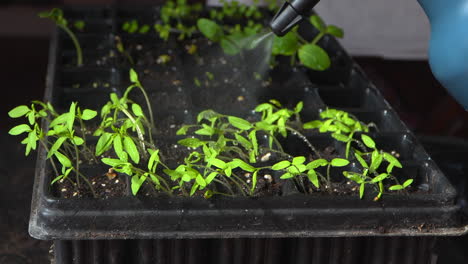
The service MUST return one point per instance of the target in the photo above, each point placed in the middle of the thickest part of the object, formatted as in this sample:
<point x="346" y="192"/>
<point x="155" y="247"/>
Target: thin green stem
<point x="304" y="138"/>
<point x="77" y="158"/>
<point x="79" y="54"/>
<point x="150" y="111"/>
<point x="318" y="37"/>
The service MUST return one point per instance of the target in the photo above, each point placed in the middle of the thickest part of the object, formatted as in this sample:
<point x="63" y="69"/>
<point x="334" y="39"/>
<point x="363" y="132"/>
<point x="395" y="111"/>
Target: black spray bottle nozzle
<point x="290" y="15"/>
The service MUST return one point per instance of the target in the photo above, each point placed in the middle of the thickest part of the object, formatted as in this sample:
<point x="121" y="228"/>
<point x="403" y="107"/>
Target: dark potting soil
<point x="106" y="184"/>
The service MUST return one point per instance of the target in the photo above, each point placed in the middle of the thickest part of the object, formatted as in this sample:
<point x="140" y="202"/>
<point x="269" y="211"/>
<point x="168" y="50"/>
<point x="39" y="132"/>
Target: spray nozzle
<point x="290" y="15"/>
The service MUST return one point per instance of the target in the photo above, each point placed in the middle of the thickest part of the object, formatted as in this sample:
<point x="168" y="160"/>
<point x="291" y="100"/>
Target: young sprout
<point x="56" y="15"/>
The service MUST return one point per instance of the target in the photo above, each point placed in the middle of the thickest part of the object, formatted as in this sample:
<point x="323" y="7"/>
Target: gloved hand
<point x="448" y="47"/>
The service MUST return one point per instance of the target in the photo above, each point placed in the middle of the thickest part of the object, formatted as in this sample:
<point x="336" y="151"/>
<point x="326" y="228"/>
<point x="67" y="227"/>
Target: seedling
<point x="174" y="15"/>
<point x="121" y="49"/>
<point x="133" y="27"/>
<point x="56" y="15"/>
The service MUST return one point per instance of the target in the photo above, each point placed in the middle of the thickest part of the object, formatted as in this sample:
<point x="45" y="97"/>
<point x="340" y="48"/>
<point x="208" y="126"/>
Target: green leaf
<point x="379" y="178"/>
<point x="312" y="175"/>
<point x="337" y="162"/>
<point x="368" y="141"/>
<point x="88" y="114"/>
<point x="137" y="182"/>
<point x="210" y="29"/>
<point x="136" y="109"/>
<point x="340" y="137"/>
<point x="229" y="46"/>
<point x="239" y="123"/>
<point x="298" y="107"/>
<point x="78" y="141"/>
<point x="104" y="143"/>
<point x="17" y="130"/>
<point x="318" y="23"/>
<point x="286" y="45"/>
<point x="298" y="160"/>
<point x="317" y="163"/>
<point x="407" y="183"/>
<point x="209" y="115"/>
<point x="56" y="146"/>
<point x="281" y="165"/>
<point x="361" y="190"/>
<point x="210" y="177"/>
<point x="79" y="24"/>
<point x="253" y="140"/>
<point x="118" y="148"/>
<point x="205" y="131"/>
<point x="376" y="160"/>
<point x="217" y="163"/>
<point x="112" y="162"/>
<point x="287" y="175"/>
<point x="199" y="179"/>
<point x="71" y="116"/>
<point x="254" y="181"/>
<point x="242" y="164"/>
<point x="63" y="159"/>
<point x="392" y="160"/>
<point x="134" y="76"/>
<point x="335" y="31"/>
<point x="361" y="160"/>
<point x="153" y="160"/>
<point x="183" y="130"/>
<point x="263" y="107"/>
<point x="314" y="57"/>
<point x="19" y="111"/>
<point x="396" y="187"/>
<point x="131" y="149"/>
<point x="243" y="141"/>
<point x="353" y="176"/>
<point x="313" y="124"/>
<point x="191" y="142"/>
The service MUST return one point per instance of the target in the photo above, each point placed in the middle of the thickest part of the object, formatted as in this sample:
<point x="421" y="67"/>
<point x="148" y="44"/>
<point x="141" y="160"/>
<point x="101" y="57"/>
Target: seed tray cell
<point x="289" y="213"/>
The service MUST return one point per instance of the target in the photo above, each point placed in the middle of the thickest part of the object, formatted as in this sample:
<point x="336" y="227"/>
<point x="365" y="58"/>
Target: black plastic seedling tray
<point x="431" y="210"/>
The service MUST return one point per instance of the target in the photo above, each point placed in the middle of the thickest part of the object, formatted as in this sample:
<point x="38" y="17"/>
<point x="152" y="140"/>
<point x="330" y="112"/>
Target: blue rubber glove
<point x="448" y="47"/>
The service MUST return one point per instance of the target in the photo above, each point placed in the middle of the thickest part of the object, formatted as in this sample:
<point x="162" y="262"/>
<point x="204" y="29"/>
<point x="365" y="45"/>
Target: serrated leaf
<point x="136" y="109"/>
<point x="88" y="114"/>
<point x="338" y="162"/>
<point x="131" y="149"/>
<point x="314" y="57"/>
<point x="298" y="160"/>
<point x="335" y="31"/>
<point x="209" y="115"/>
<point x="20" y="129"/>
<point x="63" y="159"/>
<point x="281" y="165"/>
<point x="318" y="23"/>
<point x="191" y="142"/>
<point x="239" y="123"/>
<point x="368" y="141"/>
<point x="18" y="111"/>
